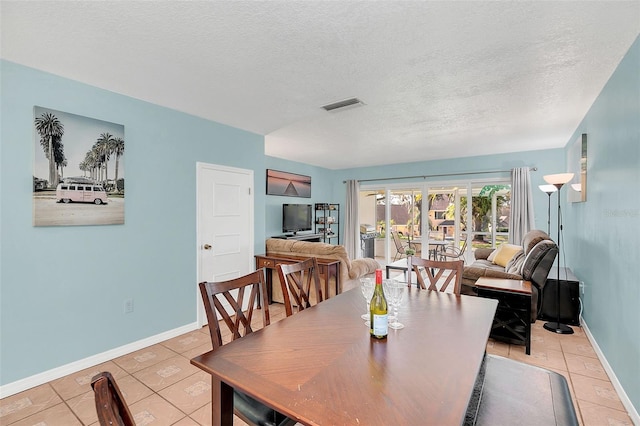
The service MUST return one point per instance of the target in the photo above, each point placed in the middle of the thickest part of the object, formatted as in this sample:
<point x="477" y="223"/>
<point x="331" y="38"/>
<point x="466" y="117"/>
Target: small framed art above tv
<point x="288" y="184"/>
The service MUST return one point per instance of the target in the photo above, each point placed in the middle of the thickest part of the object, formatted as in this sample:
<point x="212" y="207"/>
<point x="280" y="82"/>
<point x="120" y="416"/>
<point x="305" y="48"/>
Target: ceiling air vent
<point x="343" y="105"/>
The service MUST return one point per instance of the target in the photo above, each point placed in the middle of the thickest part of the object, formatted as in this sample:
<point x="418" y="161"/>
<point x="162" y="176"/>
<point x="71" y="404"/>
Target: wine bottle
<point x="379" y="327"/>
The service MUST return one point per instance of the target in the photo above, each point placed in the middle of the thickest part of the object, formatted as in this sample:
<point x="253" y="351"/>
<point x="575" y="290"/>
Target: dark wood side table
<point x="512" y="322"/>
<point x="327" y="268"/>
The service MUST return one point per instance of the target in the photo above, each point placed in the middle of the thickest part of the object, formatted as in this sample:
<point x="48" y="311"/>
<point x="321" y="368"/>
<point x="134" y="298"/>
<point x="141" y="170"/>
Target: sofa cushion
<point x="505" y="253"/>
<point x="362" y="267"/>
<point x="483" y="252"/>
<point x="494" y="273"/>
<point x="535" y="256"/>
<point x="532" y="238"/>
<point x="484" y="268"/>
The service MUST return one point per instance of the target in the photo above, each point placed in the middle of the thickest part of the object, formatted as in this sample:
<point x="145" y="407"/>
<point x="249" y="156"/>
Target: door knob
<point x="207" y="247"/>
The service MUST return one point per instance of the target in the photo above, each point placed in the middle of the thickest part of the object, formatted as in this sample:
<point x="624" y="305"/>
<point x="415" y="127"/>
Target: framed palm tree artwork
<point x="78" y="170"/>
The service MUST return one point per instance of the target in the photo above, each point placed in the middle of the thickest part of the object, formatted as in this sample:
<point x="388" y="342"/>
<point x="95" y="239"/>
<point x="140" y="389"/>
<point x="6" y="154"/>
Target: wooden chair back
<point x="241" y="294"/>
<point x="434" y="271"/>
<point x="110" y="405"/>
<point x="298" y="281"/>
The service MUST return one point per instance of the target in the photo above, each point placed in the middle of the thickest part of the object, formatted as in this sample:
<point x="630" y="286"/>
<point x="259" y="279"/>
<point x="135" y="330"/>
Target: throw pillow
<point x="515" y="264"/>
<point x="492" y="256"/>
<point x="505" y="253"/>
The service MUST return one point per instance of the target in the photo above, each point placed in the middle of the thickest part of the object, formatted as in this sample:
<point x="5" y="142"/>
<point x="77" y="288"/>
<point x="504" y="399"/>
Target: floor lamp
<point x="558" y="181"/>
<point x="549" y="189"/>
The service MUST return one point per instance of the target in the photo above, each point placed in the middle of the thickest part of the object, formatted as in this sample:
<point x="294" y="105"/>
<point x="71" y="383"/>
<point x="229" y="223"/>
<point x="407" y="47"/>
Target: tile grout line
<point x="576" y="404"/>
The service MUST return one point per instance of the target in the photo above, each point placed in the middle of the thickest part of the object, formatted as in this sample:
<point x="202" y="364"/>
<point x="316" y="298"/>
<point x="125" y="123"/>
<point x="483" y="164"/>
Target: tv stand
<point x="314" y="238"/>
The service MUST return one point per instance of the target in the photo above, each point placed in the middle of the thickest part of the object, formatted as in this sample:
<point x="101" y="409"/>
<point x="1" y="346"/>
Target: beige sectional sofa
<point x="349" y="269"/>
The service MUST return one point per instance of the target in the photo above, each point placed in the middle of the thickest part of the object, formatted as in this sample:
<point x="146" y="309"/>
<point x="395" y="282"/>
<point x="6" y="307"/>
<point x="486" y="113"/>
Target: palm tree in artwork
<point x="84" y="167"/>
<point x="58" y="155"/>
<point x="51" y="131"/>
<point x="88" y="164"/>
<point x="90" y="161"/>
<point x="118" y="150"/>
<point x="104" y="144"/>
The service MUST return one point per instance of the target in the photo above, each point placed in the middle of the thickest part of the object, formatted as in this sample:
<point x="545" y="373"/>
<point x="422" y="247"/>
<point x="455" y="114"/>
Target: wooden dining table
<point x="321" y="367"/>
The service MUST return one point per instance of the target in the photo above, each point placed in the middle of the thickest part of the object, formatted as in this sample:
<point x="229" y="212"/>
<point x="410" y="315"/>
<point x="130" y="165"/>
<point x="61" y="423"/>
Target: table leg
<point x="221" y="403"/>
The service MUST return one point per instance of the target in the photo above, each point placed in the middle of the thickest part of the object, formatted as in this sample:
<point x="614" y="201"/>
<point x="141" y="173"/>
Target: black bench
<point x="510" y="392"/>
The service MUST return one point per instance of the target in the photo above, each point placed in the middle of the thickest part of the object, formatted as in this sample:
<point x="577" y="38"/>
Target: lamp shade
<point x="558" y="179"/>
<point x="547" y="188"/>
<point x="576" y="187"/>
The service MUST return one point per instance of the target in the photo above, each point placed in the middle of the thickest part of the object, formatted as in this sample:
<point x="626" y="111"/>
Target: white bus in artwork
<point x="80" y="193"/>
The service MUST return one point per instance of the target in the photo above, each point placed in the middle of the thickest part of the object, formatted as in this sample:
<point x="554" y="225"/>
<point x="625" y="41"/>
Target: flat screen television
<point x="296" y="217"/>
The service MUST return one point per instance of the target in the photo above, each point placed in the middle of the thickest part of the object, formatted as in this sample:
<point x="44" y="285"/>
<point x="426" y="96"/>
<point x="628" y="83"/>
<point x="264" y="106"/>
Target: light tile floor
<point x="161" y="387"/>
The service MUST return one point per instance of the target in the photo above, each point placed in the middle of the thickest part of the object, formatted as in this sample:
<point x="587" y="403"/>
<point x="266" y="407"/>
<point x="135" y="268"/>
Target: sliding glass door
<point x="476" y="212"/>
<point x="490" y="213"/>
<point x="395" y="210"/>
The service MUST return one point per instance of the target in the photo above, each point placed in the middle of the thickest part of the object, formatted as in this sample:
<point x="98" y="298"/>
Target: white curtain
<point x="522" y="215"/>
<point x="351" y="227"/>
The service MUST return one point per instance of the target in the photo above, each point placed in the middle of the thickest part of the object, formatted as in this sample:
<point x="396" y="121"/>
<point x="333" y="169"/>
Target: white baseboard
<point x="73" y="367"/>
<point x="624" y="398"/>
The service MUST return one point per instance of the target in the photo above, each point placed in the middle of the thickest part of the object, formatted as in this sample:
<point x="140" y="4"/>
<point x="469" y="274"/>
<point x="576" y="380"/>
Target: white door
<point x="224" y="225"/>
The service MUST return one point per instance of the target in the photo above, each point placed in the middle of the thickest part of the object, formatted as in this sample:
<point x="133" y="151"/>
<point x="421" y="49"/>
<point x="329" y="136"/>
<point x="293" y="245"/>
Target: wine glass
<point x="367" y="286"/>
<point x="394" y="292"/>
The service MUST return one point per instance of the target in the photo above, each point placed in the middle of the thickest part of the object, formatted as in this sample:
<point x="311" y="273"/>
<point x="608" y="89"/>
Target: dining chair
<point x="110" y="405"/>
<point x="400" y="246"/>
<point x="413" y="243"/>
<point x="454" y="253"/>
<point x="434" y="271"/>
<point x="240" y="295"/>
<point x="298" y="281"/>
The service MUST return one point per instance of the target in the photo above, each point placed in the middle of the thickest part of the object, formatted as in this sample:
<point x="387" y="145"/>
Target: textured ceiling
<point x="439" y="79"/>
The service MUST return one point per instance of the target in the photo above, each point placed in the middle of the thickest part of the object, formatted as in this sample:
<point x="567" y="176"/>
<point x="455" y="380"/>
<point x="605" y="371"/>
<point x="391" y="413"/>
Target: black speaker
<point x="569" y="298"/>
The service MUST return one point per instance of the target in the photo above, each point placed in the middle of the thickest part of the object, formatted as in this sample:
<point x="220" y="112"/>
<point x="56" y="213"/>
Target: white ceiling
<point x="439" y="79"/>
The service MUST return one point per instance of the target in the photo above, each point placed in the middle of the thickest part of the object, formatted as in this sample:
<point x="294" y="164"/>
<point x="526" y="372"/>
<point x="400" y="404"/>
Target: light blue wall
<point x="603" y="233"/>
<point x="63" y="288"/>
